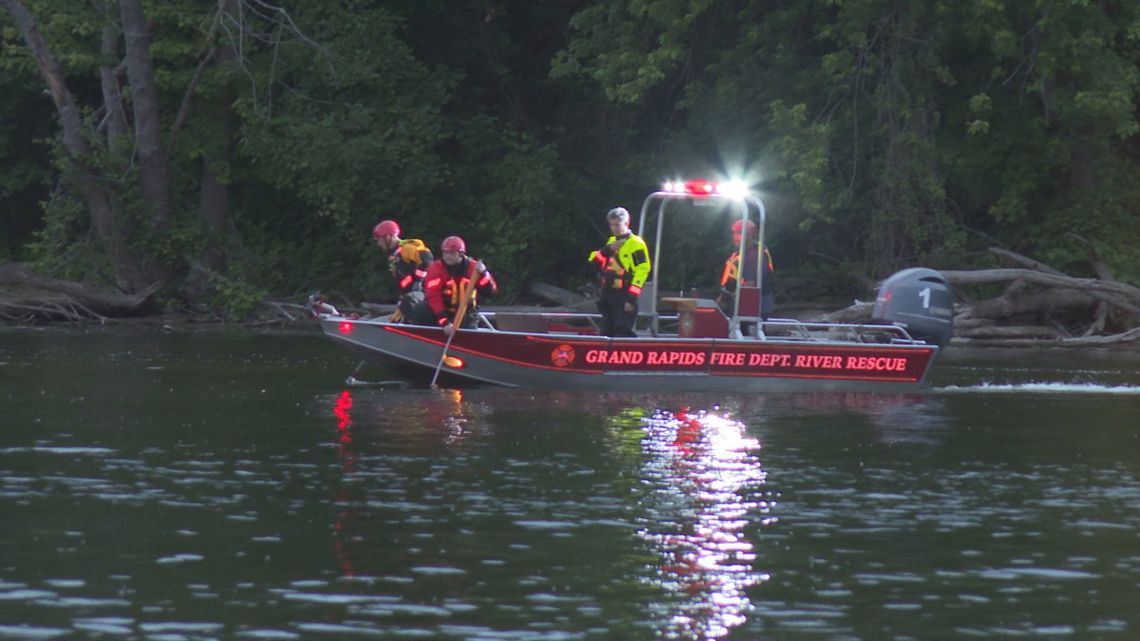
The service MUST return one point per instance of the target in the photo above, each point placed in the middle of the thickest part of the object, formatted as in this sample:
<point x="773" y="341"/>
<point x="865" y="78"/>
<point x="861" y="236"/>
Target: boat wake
<point x="1039" y="388"/>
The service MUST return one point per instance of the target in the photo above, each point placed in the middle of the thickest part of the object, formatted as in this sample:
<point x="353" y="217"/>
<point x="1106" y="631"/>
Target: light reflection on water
<point x="178" y="491"/>
<point x="699" y="477"/>
<point x="705" y="477"/>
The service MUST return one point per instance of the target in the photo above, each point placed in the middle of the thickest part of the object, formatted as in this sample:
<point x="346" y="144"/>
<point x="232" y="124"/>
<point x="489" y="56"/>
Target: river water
<point x="233" y="486"/>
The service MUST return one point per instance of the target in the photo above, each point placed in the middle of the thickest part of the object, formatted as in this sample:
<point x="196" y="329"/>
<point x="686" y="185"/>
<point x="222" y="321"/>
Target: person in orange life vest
<point x="747" y="231"/>
<point x="448" y="278"/>
<point x="623" y="268"/>
<point x="408" y="260"/>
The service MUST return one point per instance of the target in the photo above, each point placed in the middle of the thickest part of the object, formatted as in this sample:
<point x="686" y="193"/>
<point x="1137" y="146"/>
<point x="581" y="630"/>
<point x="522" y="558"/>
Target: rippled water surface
<point x="232" y="486"/>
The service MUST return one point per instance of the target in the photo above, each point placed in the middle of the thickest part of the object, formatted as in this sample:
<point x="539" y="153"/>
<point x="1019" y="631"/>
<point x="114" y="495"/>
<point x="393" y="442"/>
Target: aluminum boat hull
<point x="567" y="361"/>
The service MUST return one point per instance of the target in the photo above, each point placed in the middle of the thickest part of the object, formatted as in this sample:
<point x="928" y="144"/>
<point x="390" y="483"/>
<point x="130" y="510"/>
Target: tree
<point x="893" y="132"/>
<point x="80" y="160"/>
<point x="124" y="176"/>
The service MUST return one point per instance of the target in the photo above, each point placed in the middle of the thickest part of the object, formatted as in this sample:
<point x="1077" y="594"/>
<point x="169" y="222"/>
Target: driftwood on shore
<point x="1041" y="305"/>
<point x="1028" y="304"/>
<point x="1038" y="305"/>
<point x="26" y="296"/>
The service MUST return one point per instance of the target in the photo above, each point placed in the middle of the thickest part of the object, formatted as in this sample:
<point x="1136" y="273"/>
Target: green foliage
<point x="866" y="105"/>
<point x="880" y="134"/>
<point x="630" y="46"/>
<point x="799" y="150"/>
<point x="506" y="189"/>
<point x="348" y="115"/>
<point x="63" y="247"/>
<point x="236" y="299"/>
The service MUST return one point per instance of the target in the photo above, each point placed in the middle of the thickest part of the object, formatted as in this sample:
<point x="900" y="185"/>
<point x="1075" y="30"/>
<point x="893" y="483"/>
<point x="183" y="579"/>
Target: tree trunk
<point x="214" y="204"/>
<point x="154" y="174"/>
<point x="112" y="97"/>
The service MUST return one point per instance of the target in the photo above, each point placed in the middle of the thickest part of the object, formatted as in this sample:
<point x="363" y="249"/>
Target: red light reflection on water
<point x="342" y="410"/>
<point x="418" y="424"/>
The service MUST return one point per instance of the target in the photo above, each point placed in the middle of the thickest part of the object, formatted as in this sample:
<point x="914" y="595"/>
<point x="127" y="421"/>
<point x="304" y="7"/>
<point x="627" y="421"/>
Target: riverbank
<point x="287" y="318"/>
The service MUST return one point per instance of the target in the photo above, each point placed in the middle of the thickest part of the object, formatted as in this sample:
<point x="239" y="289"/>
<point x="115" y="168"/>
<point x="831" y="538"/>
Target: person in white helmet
<point x="623" y="268"/>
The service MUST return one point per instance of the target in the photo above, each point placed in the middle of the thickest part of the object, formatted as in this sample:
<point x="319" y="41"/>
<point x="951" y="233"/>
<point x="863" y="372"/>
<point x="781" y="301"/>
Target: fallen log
<point x="1039" y="291"/>
<point x="1009" y="331"/>
<point x="555" y="294"/>
<point x="1128" y="337"/>
<point x="563" y="297"/>
<point x="27" y="289"/>
<point x="54" y="307"/>
<point x="1107" y="301"/>
<point x="986" y="276"/>
<point x="858" y="312"/>
<point x="1047" y="303"/>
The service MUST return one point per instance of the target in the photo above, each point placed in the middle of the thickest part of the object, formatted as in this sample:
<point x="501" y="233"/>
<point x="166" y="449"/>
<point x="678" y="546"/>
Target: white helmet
<point x="618" y="213"/>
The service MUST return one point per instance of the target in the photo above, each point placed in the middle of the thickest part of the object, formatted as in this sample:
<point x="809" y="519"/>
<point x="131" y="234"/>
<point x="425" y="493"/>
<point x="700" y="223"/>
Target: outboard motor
<point x="920" y="301"/>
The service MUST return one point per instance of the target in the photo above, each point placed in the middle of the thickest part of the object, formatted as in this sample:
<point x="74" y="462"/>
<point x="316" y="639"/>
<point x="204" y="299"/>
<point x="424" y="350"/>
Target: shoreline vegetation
<point x="1027" y="305"/>
<point x="221" y="161"/>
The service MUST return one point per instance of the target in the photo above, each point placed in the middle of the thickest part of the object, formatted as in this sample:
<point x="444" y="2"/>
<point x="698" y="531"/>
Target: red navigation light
<point x="345" y="328"/>
<point x="700" y="187"/>
<point x="704" y="188"/>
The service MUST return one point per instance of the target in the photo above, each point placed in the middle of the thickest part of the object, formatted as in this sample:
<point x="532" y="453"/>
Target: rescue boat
<point x="684" y="343"/>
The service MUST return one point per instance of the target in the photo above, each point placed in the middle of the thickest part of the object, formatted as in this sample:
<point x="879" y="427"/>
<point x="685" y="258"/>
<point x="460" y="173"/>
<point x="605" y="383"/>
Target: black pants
<point x="615" y="320"/>
<point x="415" y="309"/>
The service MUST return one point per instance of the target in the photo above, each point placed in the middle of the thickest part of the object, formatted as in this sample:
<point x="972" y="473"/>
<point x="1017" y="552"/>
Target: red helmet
<point x="748" y="226"/>
<point x="454" y="244"/>
<point x="386" y="228"/>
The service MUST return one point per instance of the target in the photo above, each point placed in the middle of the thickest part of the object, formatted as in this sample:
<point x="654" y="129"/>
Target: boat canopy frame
<point x="741" y="203"/>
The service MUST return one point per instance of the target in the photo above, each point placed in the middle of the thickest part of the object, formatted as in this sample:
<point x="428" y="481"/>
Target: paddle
<point x="467" y="294"/>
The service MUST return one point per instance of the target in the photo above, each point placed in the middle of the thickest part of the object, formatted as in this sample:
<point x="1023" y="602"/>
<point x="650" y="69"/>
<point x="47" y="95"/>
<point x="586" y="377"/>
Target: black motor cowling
<point x="920" y="301"/>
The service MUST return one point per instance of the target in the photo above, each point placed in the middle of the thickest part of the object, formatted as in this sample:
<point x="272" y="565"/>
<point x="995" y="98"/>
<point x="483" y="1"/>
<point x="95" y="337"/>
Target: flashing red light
<point x="704" y="188"/>
<point x="700" y="187"/>
<point x="345" y="328"/>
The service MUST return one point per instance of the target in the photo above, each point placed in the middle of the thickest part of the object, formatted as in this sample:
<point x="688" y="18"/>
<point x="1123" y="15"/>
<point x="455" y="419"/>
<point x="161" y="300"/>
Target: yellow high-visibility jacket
<point x="627" y="269"/>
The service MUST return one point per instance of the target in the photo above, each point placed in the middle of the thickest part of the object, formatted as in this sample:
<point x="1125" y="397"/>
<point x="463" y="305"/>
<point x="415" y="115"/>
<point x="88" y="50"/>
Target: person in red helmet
<point x="745" y="232"/>
<point x="408" y="261"/>
<point x="447" y="280"/>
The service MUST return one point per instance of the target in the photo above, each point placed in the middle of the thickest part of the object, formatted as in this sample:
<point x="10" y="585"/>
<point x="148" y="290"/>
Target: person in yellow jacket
<point x="408" y="260"/>
<point x="623" y="268"/>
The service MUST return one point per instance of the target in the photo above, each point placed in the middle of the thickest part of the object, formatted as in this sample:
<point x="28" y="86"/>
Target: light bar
<point x="702" y="188"/>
